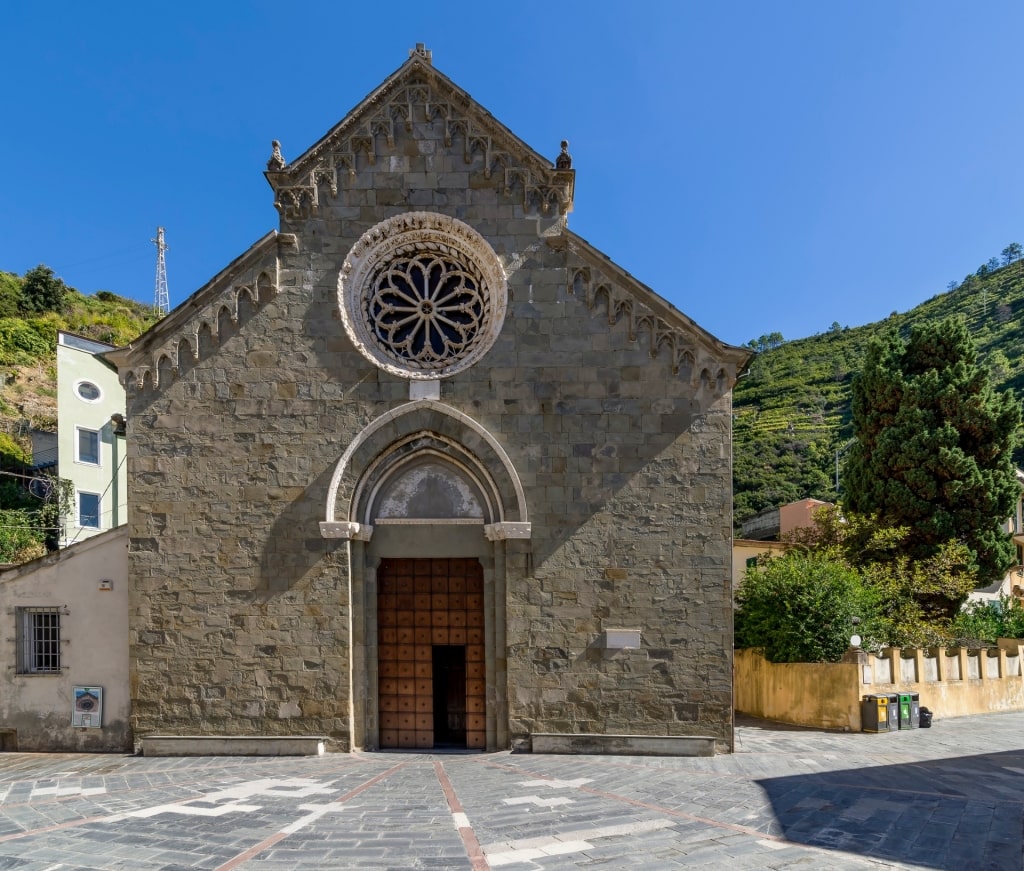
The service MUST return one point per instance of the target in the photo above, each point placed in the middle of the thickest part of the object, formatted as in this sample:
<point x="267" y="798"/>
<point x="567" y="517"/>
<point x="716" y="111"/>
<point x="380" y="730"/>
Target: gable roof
<point x="252" y="277"/>
<point x="300" y="186"/>
<point x="416" y="83"/>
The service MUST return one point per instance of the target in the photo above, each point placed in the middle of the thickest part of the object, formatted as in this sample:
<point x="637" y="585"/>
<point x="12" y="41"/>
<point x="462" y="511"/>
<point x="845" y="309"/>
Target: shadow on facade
<point x="293" y="551"/>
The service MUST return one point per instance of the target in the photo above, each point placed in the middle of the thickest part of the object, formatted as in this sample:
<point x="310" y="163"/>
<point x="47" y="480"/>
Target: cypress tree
<point x="934" y="444"/>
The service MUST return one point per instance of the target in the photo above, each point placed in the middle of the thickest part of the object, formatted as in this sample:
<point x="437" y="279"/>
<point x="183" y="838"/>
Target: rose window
<point x="426" y="310"/>
<point x="422" y="295"/>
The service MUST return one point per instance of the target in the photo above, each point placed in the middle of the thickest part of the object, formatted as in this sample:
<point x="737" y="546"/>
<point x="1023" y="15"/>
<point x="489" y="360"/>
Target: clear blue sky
<point x="765" y="166"/>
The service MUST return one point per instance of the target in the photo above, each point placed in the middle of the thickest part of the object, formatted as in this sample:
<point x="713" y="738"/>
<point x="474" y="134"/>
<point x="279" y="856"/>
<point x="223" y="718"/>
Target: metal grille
<point x="40" y="640"/>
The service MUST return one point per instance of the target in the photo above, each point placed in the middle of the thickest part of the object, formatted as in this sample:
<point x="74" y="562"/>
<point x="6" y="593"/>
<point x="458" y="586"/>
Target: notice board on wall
<point x="87" y="707"/>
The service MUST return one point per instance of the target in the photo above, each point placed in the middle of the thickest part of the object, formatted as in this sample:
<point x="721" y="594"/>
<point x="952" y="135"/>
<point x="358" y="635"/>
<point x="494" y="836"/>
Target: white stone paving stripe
<point x="67" y="790"/>
<point x="537" y="800"/>
<point x="555" y="783"/>
<point x="528" y="849"/>
<point x="187" y="810"/>
<point x="315" y="812"/>
<point x="234" y="798"/>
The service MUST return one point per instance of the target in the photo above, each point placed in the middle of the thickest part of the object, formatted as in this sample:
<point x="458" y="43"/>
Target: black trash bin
<point x="926" y="718"/>
<point x="915" y="710"/>
<point x="874" y="713"/>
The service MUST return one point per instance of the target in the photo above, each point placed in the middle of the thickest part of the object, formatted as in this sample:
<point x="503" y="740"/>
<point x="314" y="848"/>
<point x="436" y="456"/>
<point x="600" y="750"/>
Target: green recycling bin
<point x="874" y="713"/>
<point x="906" y="706"/>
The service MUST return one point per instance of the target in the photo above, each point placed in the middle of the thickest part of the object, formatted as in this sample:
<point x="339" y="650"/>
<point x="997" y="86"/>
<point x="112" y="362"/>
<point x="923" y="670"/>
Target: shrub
<point x="20" y="534"/>
<point x="987" y="621"/>
<point x="800" y="608"/>
<point x="10" y="295"/>
<point x="47" y="325"/>
<point x="12" y="454"/>
<point x="42" y="291"/>
<point x="20" y="344"/>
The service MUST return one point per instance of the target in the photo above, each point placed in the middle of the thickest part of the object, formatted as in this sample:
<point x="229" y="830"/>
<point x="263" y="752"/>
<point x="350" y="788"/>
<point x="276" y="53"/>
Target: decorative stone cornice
<point x="158" y="354"/>
<point x="708" y="364"/>
<point x="418" y="93"/>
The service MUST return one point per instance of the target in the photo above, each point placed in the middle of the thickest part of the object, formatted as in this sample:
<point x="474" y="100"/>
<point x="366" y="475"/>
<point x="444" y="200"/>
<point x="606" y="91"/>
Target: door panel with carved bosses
<point x="430" y="654"/>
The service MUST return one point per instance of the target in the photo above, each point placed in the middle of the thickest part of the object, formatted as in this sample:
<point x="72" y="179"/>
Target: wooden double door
<point x="430" y="653"/>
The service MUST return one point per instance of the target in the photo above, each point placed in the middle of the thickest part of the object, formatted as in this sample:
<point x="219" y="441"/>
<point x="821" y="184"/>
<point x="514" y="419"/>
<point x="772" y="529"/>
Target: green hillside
<point x="33" y="308"/>
<point x="792" y="410"/>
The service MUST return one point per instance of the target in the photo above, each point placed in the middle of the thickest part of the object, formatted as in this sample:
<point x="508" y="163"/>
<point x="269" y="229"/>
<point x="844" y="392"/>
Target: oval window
<point x="88" y="391"/>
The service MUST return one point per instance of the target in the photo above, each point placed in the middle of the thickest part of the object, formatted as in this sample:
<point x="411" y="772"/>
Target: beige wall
<point x="951" y="683"/>
<point x="94" y="647"/>
<point x="744" y="549"/>
<point x="822" y="694"/>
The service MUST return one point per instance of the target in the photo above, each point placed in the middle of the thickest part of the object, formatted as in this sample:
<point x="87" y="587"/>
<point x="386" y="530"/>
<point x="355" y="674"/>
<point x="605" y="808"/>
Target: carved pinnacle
<point x="276" y="162"/>
<point x="564" y="161"/>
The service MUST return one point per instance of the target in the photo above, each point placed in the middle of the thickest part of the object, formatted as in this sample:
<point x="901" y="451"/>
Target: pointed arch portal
<point x="425" y="498"/>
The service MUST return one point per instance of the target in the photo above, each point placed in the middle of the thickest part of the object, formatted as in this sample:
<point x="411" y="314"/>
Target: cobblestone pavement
<point x="950" y="797"/>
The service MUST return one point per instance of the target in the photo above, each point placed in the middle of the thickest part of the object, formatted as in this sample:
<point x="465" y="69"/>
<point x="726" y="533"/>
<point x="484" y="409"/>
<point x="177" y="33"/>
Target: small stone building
<point x="423" y="467"/>
<point x="65" y="643"/>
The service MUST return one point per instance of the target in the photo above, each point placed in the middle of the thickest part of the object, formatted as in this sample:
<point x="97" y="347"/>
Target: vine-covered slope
<point x="792" y="410"/>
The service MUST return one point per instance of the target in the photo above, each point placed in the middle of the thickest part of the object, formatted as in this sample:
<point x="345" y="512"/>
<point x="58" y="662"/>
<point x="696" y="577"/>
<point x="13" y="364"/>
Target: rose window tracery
<point x="422" y="295"/>
<point x="426" y="310"/>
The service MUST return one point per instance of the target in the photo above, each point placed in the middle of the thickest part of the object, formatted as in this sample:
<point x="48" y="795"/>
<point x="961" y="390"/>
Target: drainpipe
<point x="119" y="428"/>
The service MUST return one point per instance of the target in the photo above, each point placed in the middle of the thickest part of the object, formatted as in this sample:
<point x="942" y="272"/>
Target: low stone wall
<point x="950" y="682"/>
<point x="822" y="694"/>
<point x="623" y="745"/>
<point x="233" y="745"/>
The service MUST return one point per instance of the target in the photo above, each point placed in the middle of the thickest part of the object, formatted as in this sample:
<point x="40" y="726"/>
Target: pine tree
<point x="42" y="291"/>
<point x="934" y="444"/>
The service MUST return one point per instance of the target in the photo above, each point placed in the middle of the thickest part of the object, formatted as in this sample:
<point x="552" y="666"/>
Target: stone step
<point x="623" y="745"/>
<point x="233" y="745"/>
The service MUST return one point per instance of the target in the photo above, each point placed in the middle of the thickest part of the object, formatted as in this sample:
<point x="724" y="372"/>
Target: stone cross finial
<point x="423" y="52"/>
<point x="276" y="161"/>
<point x="564" y="161"/>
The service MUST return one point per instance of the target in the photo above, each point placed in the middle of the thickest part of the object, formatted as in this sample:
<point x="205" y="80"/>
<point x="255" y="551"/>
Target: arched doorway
<point x="426" y="520"/>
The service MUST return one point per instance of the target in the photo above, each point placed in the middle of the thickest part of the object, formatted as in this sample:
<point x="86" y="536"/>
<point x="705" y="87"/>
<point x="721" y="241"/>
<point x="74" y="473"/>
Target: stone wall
<point x="617" y="418"/>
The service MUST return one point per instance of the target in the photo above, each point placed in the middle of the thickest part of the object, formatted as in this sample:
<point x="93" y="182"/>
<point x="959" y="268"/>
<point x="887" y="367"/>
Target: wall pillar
<point x="500" y="685"/>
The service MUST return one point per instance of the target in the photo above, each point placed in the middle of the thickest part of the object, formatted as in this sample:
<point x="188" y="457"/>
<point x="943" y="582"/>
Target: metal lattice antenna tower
<point x="161" y="299"/>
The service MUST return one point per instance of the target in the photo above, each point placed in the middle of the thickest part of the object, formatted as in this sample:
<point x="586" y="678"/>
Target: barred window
<point x="38" y="640"/>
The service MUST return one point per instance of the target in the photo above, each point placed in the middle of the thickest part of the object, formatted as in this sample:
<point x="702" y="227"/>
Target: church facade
<point x="424" y="468"/>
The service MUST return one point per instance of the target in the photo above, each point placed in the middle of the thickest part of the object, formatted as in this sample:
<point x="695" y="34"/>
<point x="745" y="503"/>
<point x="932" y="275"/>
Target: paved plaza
<point x="950" y="797"/>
